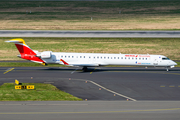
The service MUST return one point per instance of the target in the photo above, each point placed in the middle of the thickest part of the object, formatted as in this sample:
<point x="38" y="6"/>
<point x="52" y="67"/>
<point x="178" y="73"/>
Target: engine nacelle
<point x="45" y="54"/>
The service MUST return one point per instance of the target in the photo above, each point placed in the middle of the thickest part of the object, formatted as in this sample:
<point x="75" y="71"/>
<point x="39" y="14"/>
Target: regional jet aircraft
<point x="90" y="59"/>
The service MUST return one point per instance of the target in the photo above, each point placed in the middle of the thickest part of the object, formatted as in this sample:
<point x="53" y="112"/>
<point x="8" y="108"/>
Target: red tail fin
<point x="25" y="51"/>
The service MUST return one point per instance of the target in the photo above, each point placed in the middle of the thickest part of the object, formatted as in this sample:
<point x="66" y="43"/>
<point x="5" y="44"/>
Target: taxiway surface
<point x="111" y="93"/>
<point x="104" y="83"/>
<point x="90" y="110"/>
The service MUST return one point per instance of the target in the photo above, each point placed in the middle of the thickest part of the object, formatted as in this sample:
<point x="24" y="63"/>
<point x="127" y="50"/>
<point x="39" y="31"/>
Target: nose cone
<point x="174" y="63"/>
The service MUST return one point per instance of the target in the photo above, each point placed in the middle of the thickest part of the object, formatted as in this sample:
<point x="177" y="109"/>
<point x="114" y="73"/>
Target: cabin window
<point x="142" y="58"/>
<point x="129" y="57"/>
<point x="139" y="58"/>
<point x="118" y="57"/>
<point x="121" y="57"/>
<point x="108" y="57"/>
<point x="104" y="57"/>
<point x="76" y="56"/>
<point x="80" y="56"/>
<point x="61" y="56"/>
<point x="114" y="57"/>
<point x="89" y="57"/>
<point x="101" y="57"/>
<point x="136" y="58"/>
<point x="125" y="57"/>
<point x="111" y="57"/>
<point x="65" y="56"/>
<point x="132" y="58"/>
<point x="94" y="57"/>
<point x="68" y="56"/>
<point x="84" y="56"/>
<point x="97" y="57"/>
<point x="72" y="56"/>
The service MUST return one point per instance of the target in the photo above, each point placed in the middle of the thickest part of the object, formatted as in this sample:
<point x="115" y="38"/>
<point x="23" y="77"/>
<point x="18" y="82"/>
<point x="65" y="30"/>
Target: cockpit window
<point x="165" y="59"/>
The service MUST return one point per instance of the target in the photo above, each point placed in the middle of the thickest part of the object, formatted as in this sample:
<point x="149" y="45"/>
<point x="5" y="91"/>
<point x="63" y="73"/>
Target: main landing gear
<point x="84" y="68"/>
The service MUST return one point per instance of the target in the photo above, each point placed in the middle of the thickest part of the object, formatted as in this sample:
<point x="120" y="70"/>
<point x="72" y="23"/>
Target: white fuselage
<point x="99" y="59"/>
<point x="89" y="59"/>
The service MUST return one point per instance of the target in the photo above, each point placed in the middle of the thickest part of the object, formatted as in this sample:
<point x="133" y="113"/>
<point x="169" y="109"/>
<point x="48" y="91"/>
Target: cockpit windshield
<point x="165" y="59"/>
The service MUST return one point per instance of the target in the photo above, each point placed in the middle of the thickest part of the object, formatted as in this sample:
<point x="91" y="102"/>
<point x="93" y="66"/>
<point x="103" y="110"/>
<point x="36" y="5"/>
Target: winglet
<point x="64" y="62"/>
<point x="17" y="40"/>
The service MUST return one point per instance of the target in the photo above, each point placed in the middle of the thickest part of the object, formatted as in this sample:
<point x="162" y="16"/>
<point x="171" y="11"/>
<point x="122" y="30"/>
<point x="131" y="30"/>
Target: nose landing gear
<point x="167" y="69"/>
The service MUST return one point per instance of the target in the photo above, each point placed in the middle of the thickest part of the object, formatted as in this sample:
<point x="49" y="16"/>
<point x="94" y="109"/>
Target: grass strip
<point x="42" y="92"/>
<point x="76" y="15"/>
<point x="168" y="47"/>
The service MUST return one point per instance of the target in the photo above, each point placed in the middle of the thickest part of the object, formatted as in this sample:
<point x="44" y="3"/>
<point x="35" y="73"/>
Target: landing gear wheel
<point x="84" y="68"/>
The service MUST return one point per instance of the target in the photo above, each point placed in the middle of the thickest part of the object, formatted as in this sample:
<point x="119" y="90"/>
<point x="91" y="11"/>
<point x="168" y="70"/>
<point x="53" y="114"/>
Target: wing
<point x="79" y="64"/>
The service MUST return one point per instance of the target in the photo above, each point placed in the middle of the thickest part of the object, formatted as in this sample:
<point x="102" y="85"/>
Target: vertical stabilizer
<point x="25" y="51"/>
<point x="22" y="46"/>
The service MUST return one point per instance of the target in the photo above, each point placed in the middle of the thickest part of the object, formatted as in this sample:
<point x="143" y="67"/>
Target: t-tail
<point x="25" y="51"/>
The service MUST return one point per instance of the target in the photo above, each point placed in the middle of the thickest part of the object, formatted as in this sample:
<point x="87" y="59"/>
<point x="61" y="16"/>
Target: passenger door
<point x="155" y="62"/>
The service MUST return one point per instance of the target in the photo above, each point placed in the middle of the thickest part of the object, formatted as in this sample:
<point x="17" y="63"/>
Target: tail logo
<point x="25" y="51"/>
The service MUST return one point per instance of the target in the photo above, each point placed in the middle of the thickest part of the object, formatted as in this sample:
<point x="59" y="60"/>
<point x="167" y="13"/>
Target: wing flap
<point x="86" y="65"/>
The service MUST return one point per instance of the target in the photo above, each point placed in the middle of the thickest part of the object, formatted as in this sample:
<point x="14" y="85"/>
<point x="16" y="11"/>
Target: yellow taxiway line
<point x="9" y="70"/>
<point x="92" y="71"/>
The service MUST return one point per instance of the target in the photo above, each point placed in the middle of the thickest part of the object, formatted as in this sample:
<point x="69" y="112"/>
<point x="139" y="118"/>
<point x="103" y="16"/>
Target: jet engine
<point x="45" y="54"/>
